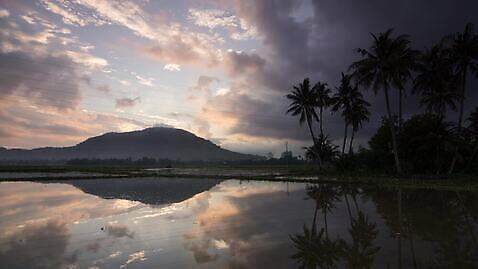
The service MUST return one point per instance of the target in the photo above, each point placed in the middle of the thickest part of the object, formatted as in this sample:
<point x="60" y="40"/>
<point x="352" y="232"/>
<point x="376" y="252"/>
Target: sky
<point x="74" y="69"/>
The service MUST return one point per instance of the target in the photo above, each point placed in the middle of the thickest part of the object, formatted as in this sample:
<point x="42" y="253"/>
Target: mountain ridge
<point x="154" y="142"/>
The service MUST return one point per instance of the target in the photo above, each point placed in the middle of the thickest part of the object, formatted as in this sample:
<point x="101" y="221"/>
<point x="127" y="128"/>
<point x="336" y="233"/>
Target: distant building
<point x="287" y="155"/>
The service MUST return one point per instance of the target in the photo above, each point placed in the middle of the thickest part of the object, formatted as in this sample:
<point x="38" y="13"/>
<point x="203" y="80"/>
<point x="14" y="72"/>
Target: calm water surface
<point x="195" y="223"/>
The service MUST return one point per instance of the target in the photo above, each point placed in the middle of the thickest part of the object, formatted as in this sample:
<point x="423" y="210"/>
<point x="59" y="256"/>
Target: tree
<point x="473" y="130"/>
<point x="385" y="64"/>
<point x="323" y="149"/>
<point x="435" y="81"/>
<point x="324" y="100"/>
<point x="358" y="113"/>
<point x="464" y="49"/>
<point x="303" y="103"/>
<point x="342" y="101"/>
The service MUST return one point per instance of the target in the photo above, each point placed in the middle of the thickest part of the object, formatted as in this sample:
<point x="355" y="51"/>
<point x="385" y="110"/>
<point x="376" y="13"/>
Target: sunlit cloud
<point x="172" y="67"/>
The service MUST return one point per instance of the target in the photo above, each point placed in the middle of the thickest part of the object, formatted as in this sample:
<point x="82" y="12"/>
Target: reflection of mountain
<point x="159" y="142"/>
<point x="151" y="191"/>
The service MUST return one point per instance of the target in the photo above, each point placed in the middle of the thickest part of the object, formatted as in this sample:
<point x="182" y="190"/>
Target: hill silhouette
<point x="156" y="142"/>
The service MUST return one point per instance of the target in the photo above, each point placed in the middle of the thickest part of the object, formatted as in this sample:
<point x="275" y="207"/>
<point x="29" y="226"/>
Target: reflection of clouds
<point x="137" y="256"/>
<point x="200" y="251"/>
<point x="38" y="247"/>
<point x="235" y="220"/>
<point x="119" y="231"/>
<point x="30" y="203"/>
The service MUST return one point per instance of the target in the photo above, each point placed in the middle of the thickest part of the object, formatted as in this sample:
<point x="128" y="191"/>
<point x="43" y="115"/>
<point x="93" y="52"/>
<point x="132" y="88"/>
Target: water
<point x="205" y="223"/>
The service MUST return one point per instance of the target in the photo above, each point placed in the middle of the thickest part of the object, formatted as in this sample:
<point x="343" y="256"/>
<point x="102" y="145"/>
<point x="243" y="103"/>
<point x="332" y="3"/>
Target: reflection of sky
<point x="233" y="225"/>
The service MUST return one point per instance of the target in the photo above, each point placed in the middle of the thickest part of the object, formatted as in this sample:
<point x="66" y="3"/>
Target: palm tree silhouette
<point x="464" y="51"/>
<point x="386" y="64"/>
<point x="357" y="114"/>
<point x="435" y="81"/>
<point x="342" y="101"/>
<point x="303" y="104"/>
<point x="473" y="130"/>
<point x="324" y="100"/>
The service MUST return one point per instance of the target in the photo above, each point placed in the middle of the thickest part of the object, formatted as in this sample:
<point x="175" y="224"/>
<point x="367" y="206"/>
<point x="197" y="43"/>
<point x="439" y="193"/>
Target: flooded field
<point x="207" y="223"/>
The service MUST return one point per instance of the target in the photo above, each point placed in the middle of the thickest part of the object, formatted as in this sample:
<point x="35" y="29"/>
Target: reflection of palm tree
<point x="325" y="197"/>
<point x="303" y="103"/>
<point x="360" y="253"/>
<point x="387" y="63"/>
<point x="465" y="54"/>
<point x="313" y="250"/>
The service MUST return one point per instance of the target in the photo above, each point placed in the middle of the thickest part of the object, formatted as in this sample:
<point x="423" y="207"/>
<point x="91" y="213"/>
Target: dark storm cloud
<point x="47" y="80"/>
<point x="322" y="46"/>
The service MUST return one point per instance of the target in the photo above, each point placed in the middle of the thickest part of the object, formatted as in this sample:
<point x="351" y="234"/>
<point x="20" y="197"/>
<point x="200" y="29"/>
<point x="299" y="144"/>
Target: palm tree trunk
<point x="348" y="207"/>
<point x="392" y="131"/>
<point x="412" y="246"/>
<point x="399" y="239"/>
<point x="325" y="223"/>
<point x="314" y="140"/>
<point x="320" y="116"/>
<point x="345" y="138"/>
<point x="475" y="150"/>
<point x="400" y="95"/>
<point x="314" y="221"/>
<point x="460" y="117"/>
<point x="351" y="141"/>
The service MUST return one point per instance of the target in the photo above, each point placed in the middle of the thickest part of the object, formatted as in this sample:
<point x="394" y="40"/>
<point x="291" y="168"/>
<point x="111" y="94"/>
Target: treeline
<point x="425" y="143"/>
<point x="162" y="163"/>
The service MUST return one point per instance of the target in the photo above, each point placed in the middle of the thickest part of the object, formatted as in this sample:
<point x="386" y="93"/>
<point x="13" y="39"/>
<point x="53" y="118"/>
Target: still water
<point x="204" y="223"/>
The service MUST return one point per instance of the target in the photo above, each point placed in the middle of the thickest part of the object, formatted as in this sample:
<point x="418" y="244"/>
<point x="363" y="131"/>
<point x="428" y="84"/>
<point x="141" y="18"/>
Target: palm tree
<point x="342" y="101"/>
<point x="303" y="104"/>
<point x="465" y="54"/>
<point x="385" y="64"/>
<point x="435" y="81"/>
<point x="473" y="129"/>
<point x="323" y="101"/>
<point x="358" y="113"/>
<point x="323" y="148"/>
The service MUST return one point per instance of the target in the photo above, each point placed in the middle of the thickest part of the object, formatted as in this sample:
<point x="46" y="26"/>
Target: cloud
<point x="204" y="83"/>
<point x="4" y="13"/>
<point x="143" y="81"/>
<point x="52" y="81"/>
<point x="127" y="102"/>
<point x="172" y="67"/>
<point x="103" y="88"/>
<point x="212" y="18"/>
<point x="24" y="124"/>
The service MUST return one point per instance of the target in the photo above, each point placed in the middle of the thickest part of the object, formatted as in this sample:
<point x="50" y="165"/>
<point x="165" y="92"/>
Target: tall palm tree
<point x="358" y="113"/>
<point x="342" y="101"/>
<point x="465" y="54"/>
<point x="303" y="103"/>
<point x="385" y="64"/>
<point x="324" y="100"/>
<point x="435" y="81"/>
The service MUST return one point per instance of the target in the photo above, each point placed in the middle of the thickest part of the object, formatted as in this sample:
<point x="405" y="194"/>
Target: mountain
<point x="157" y="142"/>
